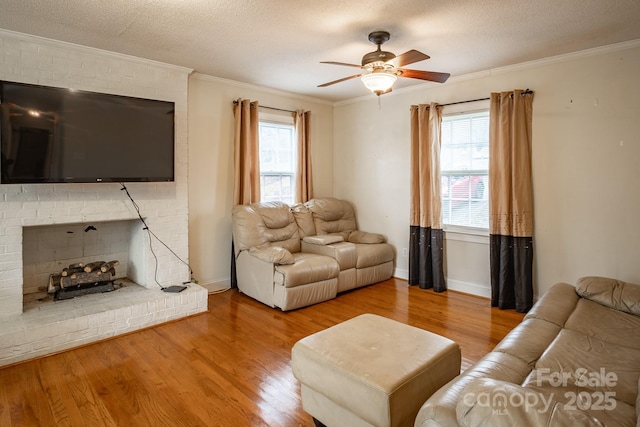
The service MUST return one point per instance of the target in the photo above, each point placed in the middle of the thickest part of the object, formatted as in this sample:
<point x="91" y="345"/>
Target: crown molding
<point x="506" y="69"/>
<point x="249" y="86"/>
<point x="92" y="50"/>
<point x="228" y="82"/>
<point x="567" y="57"/>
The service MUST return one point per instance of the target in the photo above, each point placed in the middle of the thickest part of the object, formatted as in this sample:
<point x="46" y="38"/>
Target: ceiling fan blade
<point x="341" y="63"/>
<point x="425" y="75"/>
<point x="339" y="80"/>
<point x="408" y="58"/>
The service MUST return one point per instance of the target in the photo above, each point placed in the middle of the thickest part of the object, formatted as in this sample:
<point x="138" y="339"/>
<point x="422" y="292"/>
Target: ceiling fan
<point x="381" y="68"/>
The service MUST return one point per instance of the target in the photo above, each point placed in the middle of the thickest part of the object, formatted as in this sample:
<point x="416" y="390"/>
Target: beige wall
<point x="586" y="168"/>
<point x="211" y="165"/>
<point x="586" y="164"/>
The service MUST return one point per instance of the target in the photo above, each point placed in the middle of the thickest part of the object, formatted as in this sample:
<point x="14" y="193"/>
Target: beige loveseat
<point x="364" y="258"/>
<point x="292" y="257"/>
<point x="574" y="360"/>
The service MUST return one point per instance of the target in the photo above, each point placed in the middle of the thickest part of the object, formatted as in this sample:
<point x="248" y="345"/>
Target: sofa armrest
<point x="490" y="402"/>
<point x="440" y="408"/>
<point x="273" y="254"/>
<point x="358" y="236"/>
<point x="556" y="305"/>
<point x="323" y="239"/>
<point x="343" y="252"/>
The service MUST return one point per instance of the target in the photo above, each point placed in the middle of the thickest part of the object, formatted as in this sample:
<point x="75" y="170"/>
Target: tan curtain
<point x="304" y="176"/>
<point x="426" y="239"/>
<point x="511" y="200"/>
<point x="246" y="162"/>
<point x="246" y="178"/>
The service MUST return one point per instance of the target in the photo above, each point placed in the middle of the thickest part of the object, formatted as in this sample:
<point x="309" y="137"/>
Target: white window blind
<point x="464" y="167"/>
<point x="277" y="162"/>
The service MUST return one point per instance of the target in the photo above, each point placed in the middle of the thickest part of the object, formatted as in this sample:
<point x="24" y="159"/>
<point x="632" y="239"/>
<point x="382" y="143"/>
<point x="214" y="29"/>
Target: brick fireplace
<point x="48" y="249"/>
<point x="35" y="216"/>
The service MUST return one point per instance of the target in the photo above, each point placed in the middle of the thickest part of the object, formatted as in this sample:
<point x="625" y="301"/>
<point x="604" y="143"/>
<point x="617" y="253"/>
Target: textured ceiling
<point x="279" y="43"/>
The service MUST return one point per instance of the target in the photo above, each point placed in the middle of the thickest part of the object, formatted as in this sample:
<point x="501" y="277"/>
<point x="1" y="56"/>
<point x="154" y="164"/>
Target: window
<point x="277" y="161"/>
<point x="464" y="170"/>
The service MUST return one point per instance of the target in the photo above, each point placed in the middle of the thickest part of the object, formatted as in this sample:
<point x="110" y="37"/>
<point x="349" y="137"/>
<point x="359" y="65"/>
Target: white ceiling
<point x="279" y="43"/>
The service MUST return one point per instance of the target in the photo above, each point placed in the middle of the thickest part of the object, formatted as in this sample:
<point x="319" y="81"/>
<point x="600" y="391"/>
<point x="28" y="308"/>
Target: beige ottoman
<point x="371" y="371"/>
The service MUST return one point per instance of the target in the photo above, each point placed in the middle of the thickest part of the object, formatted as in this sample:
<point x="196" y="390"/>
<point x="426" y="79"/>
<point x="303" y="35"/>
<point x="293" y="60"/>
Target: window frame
<point x="284" y="120"/>
<point x="464" y="232"/>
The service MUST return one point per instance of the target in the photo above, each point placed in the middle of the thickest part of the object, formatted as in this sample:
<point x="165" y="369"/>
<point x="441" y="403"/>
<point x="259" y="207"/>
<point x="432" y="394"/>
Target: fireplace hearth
<point x="71" y="296"/>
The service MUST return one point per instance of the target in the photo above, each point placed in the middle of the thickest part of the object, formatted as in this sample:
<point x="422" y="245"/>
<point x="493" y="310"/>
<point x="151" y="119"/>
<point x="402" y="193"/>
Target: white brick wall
<point x="35" y="60"/>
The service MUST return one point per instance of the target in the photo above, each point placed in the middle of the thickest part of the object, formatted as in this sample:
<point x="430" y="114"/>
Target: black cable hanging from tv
<point x="174" y="288"/>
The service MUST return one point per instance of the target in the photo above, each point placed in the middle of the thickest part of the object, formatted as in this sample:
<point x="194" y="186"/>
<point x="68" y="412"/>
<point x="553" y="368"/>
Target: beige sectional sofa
<point x="292" y="257"/>
<point x="574" y="360"/>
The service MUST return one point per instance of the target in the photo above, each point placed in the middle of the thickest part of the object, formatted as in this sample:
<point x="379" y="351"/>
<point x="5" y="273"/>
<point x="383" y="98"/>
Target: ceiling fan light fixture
<point x="378" y="82"/>
<point x="382" y="68"/>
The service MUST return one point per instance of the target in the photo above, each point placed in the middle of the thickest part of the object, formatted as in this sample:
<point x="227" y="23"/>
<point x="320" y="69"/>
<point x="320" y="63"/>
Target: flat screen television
<point x="57" y="135"/>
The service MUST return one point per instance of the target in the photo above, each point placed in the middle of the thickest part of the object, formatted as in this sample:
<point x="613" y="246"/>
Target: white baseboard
<point x="454" y="285"/>
<point x="401" y="273"/>
<point x="469" y="288"/>
<point x="217" y="286"/>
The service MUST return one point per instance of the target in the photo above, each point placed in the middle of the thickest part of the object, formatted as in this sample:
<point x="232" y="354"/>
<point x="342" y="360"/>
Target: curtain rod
<point x="235" y="102"/>
<point x="476" y="100"/>
<point x="464" y="102"/>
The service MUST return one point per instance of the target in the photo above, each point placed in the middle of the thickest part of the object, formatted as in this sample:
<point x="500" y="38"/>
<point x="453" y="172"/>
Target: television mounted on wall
<point x="58" y="135"/>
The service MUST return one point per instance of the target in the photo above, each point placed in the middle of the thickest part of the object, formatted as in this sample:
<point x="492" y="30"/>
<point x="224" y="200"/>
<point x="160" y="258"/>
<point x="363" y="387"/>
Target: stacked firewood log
<point x="79" y="274"/>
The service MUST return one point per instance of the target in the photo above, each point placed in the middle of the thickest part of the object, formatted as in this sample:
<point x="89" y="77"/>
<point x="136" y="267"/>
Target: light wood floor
<point x="228" y="367"/>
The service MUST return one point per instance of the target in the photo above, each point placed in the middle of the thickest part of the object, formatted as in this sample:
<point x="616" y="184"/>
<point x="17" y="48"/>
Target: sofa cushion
<point x="489" y="402"/>
<point x="286" y="237"/>
<point x="265" y="224"/>
<point x="332" y="216"/>
<point x="274" y="214"/>
<point x="328" y="208"/>
<point x="304" y="219"/>
<point x="574" y="358"/>
<point x="529" y="340"/>
<point x="612" y="326"/>
<point x="611" y="293"/>
<point x="308" y="268"/>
